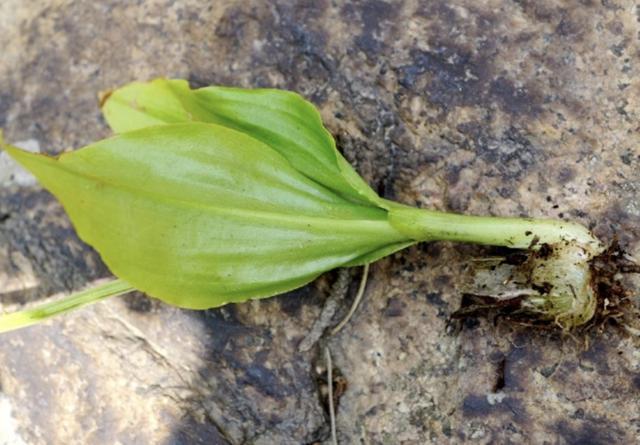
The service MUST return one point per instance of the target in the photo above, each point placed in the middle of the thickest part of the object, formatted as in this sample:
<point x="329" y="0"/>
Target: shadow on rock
<point x="254" y="386"/>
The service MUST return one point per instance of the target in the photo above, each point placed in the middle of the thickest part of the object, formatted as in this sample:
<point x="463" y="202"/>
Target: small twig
<point x="356" y="301"/>
<point x="332" y="411"/>
<point x="338" y="292"/>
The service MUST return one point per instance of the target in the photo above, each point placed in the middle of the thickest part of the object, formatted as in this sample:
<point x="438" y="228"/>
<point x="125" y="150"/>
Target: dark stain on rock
<point x="590" y="431"/>
<point x="435" y="299"/>
<point x="292" y="44"/>
<point x="456" y="77"/>
<point x="296" y="49"/>
<point x="597" y="355"/>
<point x="514" y="100"/>
<point x="372" y="14"/>
<point x="618" y="49"/>
<point x="139" y="302"/>
<point x="439" y="9"/>
<point x="518" y="363"/>
<point x="568" y="29"/>
<point x="292" y="302"/>
<point x="451" y="76"/>
<point x="225" y="324"/>
<point x="510" y="155"/>
<point x="617" y="222"/>
<point x="477" y="405"/>
<point x="470" y="323"/>
<point x="231" y="26"/>
<point x="263" y="380"/>
<point x="452" y="176"/>
<point x="537" y="10"/>
<point x="627" y="157"/>
<point x="195" y="432"/>
<point x="395" y="307"/>
<point x="566" y="174"/>
<point x="475" y="134"/>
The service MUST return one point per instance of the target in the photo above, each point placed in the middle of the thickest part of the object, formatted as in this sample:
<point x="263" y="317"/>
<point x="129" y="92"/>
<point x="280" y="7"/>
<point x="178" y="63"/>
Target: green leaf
<point x="280" y="119"/>
<point x="199" y="215"/>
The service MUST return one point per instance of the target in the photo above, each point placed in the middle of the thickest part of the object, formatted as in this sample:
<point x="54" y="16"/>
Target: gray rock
<point x="501" y="107"/>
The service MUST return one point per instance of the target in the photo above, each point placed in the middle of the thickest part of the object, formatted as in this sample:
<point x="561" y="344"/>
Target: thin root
<point x="356" y="301"/>
<point x="332" y="410"/>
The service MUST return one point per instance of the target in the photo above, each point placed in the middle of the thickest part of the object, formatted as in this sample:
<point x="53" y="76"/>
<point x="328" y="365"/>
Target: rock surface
<point x="480" y="106"/>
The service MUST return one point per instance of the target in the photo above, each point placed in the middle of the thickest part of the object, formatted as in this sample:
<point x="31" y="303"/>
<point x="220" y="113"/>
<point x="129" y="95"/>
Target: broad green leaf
<point x="280" y="119"/>
<point x="199" y="214"/>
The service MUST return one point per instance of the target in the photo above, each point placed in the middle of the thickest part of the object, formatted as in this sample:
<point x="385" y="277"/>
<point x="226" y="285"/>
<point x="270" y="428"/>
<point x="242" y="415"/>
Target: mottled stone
<point x="479" y="106"/>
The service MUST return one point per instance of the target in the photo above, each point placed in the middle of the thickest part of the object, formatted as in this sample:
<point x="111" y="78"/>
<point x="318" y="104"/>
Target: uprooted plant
<point x="217" y="195"/>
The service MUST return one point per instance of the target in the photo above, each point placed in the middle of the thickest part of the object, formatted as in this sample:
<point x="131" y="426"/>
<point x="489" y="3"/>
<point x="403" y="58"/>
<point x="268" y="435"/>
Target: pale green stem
<point x="516" y="233"/>
<point x="22" y="319"/>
